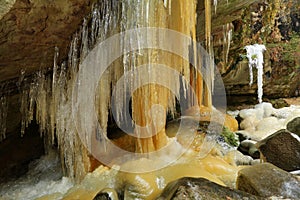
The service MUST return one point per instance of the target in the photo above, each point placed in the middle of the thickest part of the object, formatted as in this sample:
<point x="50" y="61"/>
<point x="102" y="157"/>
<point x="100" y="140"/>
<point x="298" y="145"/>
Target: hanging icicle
<point x="256" y="59"/>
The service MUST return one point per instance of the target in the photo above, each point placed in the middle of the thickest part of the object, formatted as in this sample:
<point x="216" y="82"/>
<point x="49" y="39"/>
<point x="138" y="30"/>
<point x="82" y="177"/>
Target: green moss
<point x="289" y="48"/>
<point x="230" y="137"/>
<point x="254" y="56"/>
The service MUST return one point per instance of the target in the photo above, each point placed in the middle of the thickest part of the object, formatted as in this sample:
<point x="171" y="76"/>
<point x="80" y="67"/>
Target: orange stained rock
<point x="203" y="113"/>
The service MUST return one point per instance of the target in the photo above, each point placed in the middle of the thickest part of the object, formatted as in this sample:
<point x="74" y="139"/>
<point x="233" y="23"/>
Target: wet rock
<point x="200" y="188"/>
<point x="294" y="126"/>
<point x="242" y="135"/>
<point x="248" y="147"/>
<point x="279" y="103"/>
<point x="281" y="149"/>
<point x="237" y="158"/>
<point x="107" y="194"/>
<point x="267" y="180"/>
<point x="231" y="123"/>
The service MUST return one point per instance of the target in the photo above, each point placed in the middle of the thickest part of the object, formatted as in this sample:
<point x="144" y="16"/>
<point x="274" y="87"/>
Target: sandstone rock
<point x="5" y="6"/>
<point x="281" y="149"/>
<point x="200" y="188"/>
<point x="294" y="126"/>
<point x="30" y="30"/>
<point x="231" y="123"/>
<point x="267" y="180"/>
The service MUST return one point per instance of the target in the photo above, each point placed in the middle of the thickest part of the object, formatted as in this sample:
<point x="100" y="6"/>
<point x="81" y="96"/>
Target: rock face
<point x="5" y="7"/>
<point x="294" y="126"/>
<point x="267" y="180"/>
<point x="281" y="149"/>
<point x="239" y="23"/>
<point x="30" y="30"/>
<point x="200" y="188"/>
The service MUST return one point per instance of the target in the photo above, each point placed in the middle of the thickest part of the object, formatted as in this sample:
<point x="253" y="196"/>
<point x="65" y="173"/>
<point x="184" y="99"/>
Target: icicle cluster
<point x="51" y="95"/>
<point x="256" y="59"/>
<point x="62" y="100"/>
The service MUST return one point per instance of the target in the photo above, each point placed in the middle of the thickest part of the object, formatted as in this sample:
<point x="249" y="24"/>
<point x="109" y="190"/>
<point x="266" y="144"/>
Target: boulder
<point x="200" y="188"/>
<point x="281" y="149"/>
<point x="267" y="180"/>
<point x="294" y="126"/>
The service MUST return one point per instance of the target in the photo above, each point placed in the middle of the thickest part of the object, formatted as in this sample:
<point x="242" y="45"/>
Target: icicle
<point x="53" y="98"/>
<point x="227" y="40"/>
<point x="210" y="61"/>
<point x="3" y="117"/>
<point x="170" y="7"/>
<point x="256" y="59"/>
<point x="84" y="40"/>
<point x="228" y="43"/>
<point x="24" y="110"/>
<point x="73" y="54"/>
<point x="165" y="3"/>
<point x="55" y="69"/>
<point x="216" y="4"/>
<point x="21" y="78"/>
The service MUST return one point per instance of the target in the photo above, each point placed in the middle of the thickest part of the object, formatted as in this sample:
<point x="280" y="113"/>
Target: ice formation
<point x="209" y="45"/>
<point x="264" y="120"/>
<point x="227" y="40"/>
<point x="256" y="59"/>
<point x="215" y="4"/>
<point x="62" y="100"/>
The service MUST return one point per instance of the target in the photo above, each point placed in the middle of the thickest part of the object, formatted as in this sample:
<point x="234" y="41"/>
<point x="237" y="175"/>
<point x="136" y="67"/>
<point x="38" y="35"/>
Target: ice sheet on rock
<point x="264" y="120"/>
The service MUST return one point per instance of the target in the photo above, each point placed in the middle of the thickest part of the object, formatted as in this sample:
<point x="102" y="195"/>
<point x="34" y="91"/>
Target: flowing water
<point x="44" y="177"/>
